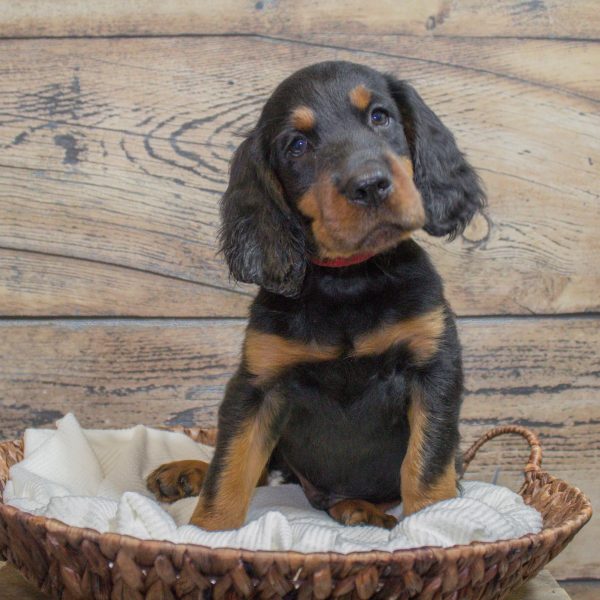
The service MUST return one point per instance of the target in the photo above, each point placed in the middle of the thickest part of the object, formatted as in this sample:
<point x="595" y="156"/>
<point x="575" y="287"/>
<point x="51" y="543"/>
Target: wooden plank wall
<point x="117" y="121"/>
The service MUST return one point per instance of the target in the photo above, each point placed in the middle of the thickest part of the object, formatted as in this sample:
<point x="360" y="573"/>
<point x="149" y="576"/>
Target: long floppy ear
<point x="451" y="189"/>
<point x="261" y="238"/>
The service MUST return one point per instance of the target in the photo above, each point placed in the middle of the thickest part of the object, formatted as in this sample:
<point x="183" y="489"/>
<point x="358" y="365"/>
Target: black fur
<point x="346" y="431"/>
<point x="342" y="429"/>
<point x="451" y="189"/>
<point x="261" y="239"/>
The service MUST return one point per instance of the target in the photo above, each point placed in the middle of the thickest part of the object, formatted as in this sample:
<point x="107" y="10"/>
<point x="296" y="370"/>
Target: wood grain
<point x="33" y="285"/>
<point x="541" y="587"/>
<point x="582" y="589"/>
<point x="540" y="372"/>
<point x="117" y="152"/>
<point x="544" y="374"/>
<point x="568" y="67"/>
<point x="114" y="153"/>
<point x="111" y="372"/>
<point x="478" y="18"/>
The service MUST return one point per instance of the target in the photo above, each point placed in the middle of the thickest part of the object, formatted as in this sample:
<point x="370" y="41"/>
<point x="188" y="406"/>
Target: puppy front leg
<point x="249" y="425"/>
<point x="428" y="472"/>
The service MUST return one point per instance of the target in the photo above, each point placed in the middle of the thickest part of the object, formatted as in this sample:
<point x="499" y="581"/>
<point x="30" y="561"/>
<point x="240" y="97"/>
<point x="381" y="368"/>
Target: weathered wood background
<point x="117" y="121"/>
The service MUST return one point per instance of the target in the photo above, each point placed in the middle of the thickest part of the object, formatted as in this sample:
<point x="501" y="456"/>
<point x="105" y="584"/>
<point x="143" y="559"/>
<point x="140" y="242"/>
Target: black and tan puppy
<point x="351" y="378"/>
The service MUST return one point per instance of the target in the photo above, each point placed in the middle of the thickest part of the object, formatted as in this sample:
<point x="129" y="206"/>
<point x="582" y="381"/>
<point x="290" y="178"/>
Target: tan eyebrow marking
<point x="360" y="97"/>
<point x="303" y="118"/>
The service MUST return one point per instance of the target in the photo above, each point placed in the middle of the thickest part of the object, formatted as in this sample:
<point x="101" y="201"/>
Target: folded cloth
<point x="96" y="479"/>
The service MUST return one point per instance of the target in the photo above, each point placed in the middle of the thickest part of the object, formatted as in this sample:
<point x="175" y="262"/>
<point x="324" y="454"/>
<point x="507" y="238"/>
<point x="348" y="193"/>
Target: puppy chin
<point x="381" y="239"/>
<point x="384" y="237"/>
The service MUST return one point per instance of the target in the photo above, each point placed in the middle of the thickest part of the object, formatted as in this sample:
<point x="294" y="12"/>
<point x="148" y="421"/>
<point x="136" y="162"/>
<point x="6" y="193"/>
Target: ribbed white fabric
<point x="95" y="478"/>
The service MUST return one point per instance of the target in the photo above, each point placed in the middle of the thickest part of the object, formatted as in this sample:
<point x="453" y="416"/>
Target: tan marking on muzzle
<point x="360" y="97"/>
<point x="333" y="219"/>
<point x="405" y="197"/>
<point x="340" y="227"/>
<point x="303" y="118"/>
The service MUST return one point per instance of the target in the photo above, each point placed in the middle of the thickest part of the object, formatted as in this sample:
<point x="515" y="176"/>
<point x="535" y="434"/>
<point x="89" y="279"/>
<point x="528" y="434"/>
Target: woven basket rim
<point x="547" y="534"/>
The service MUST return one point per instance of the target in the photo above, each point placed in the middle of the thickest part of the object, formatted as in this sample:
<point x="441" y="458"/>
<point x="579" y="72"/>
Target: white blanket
<point x="96" y="479"/>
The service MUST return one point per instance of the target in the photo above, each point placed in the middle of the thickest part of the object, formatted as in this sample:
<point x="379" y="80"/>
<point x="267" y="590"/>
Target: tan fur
<point x="245" y="461"/>
<point x="415" y="494"/>
<point x="177" y="479"/>
<point x="249" y="451"/>
<point x="360" y="97"/>
<point x="342" y="228"/>
<point x="405" y="198"/>
<point x="334" y="219"/>
<point x="303" y="119"/>
<point x="267" y="355"/>
<point x="420" y="333"/>
<point x="361" y="512"/>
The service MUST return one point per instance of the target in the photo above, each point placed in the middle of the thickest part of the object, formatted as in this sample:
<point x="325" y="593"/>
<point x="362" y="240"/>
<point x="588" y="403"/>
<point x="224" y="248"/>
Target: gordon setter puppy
<point x="351" y="378"/>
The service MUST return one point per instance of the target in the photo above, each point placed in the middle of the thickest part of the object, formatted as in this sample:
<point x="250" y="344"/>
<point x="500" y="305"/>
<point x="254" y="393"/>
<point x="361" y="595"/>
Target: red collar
<point x="341" y="261"/>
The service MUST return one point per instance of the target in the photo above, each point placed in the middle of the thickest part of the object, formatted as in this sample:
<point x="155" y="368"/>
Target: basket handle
<point x="535" y="456"/>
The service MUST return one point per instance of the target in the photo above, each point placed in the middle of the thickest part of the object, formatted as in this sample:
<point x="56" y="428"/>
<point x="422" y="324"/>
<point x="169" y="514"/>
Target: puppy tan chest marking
<point x="421" y="334"/>
<point x="267" y="355"/>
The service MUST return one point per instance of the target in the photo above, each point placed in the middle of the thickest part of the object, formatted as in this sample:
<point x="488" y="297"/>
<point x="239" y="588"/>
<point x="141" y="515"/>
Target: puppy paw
<point x="361" y="512"/>
<point x="175" y="480"/>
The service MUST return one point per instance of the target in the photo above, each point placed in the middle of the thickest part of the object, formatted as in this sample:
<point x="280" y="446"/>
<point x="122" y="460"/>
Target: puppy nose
<point x="369" y="189"/>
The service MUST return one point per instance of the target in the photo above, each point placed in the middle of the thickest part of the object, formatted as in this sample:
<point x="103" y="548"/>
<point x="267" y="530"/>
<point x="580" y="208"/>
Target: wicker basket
<point x="69" y="562"/>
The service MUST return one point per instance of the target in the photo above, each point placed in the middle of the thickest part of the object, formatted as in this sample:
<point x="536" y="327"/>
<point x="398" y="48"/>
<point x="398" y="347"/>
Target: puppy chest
<point x="416" y="339"/>
<point x="347" y="430"/>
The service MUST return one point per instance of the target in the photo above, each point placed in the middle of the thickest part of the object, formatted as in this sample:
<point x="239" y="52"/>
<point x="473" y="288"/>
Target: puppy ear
<point x="261" y="238"/>
<point x="451" y="189"/>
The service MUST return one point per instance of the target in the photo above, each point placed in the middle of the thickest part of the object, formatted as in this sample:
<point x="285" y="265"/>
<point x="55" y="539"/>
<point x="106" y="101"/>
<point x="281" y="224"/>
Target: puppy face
<point x="339" y="150"/>
<point x="343" y="160"/>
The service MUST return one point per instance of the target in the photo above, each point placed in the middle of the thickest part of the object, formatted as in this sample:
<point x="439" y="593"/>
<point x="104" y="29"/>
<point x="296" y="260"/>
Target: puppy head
<point x="343" y="161"/>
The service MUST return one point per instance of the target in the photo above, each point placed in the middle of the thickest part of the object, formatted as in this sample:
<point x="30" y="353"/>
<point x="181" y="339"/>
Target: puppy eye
<point x="379" y="117"/>
<point x="298" y="146"/>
